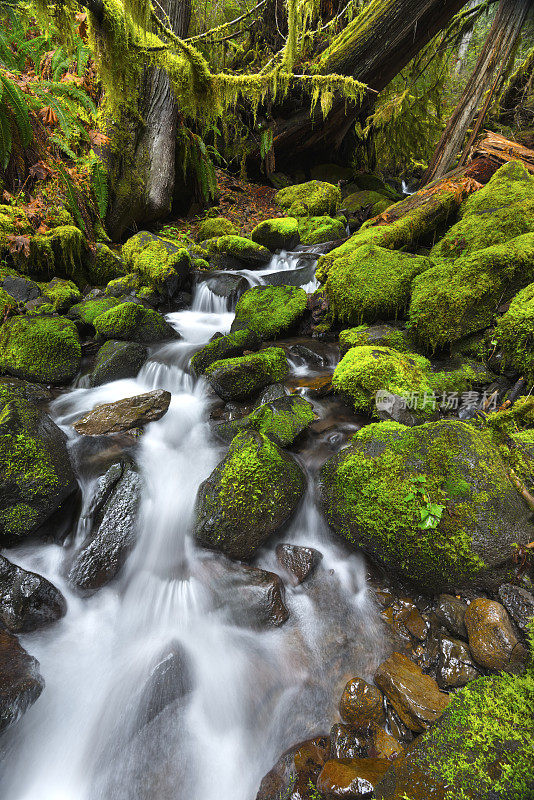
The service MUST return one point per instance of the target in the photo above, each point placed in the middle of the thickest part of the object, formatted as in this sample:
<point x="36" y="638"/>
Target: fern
<point x="14" y="99"/>
<point x="6" y="138"/>
<point x="99" y="185"/>
<point x="72" y="197"/>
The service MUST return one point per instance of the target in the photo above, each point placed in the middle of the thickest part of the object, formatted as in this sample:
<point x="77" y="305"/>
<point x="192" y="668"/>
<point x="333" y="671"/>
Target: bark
<point x="464" y="44"/>
<point x="493" y="59"/>
<point x="500" y="150"/>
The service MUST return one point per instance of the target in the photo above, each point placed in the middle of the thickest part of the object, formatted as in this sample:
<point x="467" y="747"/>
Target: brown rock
<point x="351" y="778"/>
<point x="346" y="743"/>
<point x="492" y="639"/>
<point x="298" y="562"/>
<point x="451" y="613"/>
<point x="384" y="745"/>
<point x="415" y="696"/>
<point x="296" y="772"/>
<point x="132" y="412"/>
<point x="361" y="704"/>
<point x="455" y="667"/>
<point x="20" y="681"/>
<point x="416" y="625"/>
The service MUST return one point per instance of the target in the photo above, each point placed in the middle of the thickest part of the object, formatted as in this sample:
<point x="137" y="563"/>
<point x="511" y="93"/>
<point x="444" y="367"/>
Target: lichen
<point x="270" y="311"/>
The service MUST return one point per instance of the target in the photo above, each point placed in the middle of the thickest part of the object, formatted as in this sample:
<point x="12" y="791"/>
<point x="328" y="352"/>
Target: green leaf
<point x="18" y="105"/>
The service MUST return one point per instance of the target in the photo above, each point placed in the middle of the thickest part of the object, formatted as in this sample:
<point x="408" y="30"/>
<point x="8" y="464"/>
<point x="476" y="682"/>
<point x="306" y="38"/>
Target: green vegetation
<point x="311" y="199"/>
<point x="234" y="344"/>
<point x="377" y="335"/>
<point x="213" y="227"/>
<point x="243" y="377"/>
<point x="281" y="420"/>
<point x="270" y="311"/>
<point x="88" y="310"/>
<point x="134" y="323"/>
<point x="277" y="234"/>
<point x="515" y="333"/>
<point x="315" y="230"/>
<point x="62" y="294"/>
<point x="41" y="349"/>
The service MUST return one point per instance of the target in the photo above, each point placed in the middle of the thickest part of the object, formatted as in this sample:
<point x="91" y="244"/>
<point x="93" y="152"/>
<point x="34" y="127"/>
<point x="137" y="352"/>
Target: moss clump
<point x="234" y="344"/>
<point x="364" y="371"/>
<point x="12" y="221"/>
<point x="316" y="230"/>
<point x="133" y="322"/>
<point x="213" y="227"/>
<point x="281" y="420"/>
<point x="380" y="335"/>
<point x="311" y="199"/>
<point x="372" y="283"/>
<point x="160" y="264"/>
<point x="88" y="310"/>
<point x="8" y="304"/>
<point x="370" y="498"/>
<point x="455" y="299"/>
<point x="123" y="286"/>
<point x="363" y="199"/>
<point x="243" y="377"/>
<point x="461" y="379"/>
<point x="500" y="211"/>
<point x="62" y="294"/>
<point x="105" y="266"/>
<point x="270" y="311"/>
<point x="514" y="419"/>
<point x="515" y="333"/>
<point x="236" y="252"/>
<point x="277" y="234"/>
<point x="41" y="349"/>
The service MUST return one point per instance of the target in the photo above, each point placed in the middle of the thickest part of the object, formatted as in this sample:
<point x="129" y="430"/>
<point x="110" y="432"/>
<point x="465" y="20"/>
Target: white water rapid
<point x="247" y="694"/>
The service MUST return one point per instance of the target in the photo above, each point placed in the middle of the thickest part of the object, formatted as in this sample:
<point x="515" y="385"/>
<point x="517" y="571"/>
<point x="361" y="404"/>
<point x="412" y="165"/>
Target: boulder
<point x="104" y="266"/>
<point x="112" y="521"/>
<point x="27" y="600"/>
<point x="132" y="322"/>
<point x="270" y="311"/>
<point x="374" y="491"/>
<point x="40" y="349"/>
<point x="350" y="779"/>
<point x="363" y="199"/>
<point x="87" y="311"/>
<point x="281" y="420"/>
<point x="62" y="294"/>
<point x="296" y="772"/>
<point x="416" y="697"/>
<point x="313" y="198"/>
<point x="20" y="681"/>
<point x="225" y="284"/>
<point x="248" y="497"/>
<point x="11" y="388"/>
<point x="241" y="378"/>
<point x="450" y="612"/>
<point x="8" y="305"/>
<point x="118" y="360"/>
<point x="455" y="667"/>
<point x="317" y="230"/>
<point x="346" y="743"/>
<point x="236" y="252"/>
<point x="277" y="234"/>
<point x="170" y="680"/>
<point x="376" y="336"/>
<point x="514" y="334"/>
<point x="213" y="227"/>
<point x="492" y="639"/>
<point x="161" y="264"/>
<point x="297" y="561"/>
<point x="229" y="346"/>
<point x="362" y="705"/>
<point x="383" y="745"/>
<point x="122" y="415"/>
<point x="21" y="289"/>
<point x="520" y="605"/>
<point x="36" y="476"/>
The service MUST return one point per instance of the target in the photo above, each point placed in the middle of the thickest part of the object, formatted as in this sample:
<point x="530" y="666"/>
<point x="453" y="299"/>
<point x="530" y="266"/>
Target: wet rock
<point x="351" y="779"/>
<point x="270" y="311"/>
<point x="249" y="496"/>
<point x="384" y="745"/>
<point x="113" y="522"/>
<point x="225" y="284"/>
<point x="450" y="611"/>
<point x="519" y="603"/>
<point x="346" y="743"/>
<point x="236" y="252"/>
<point x="40" y="349"/>
<point x="397" y="727"/>
<point x="299" y="562"/>
<point x="282" y="420"/>
<point x="134" y="323"/>
<point x="15" y="387"/>
<point x="170" y="680"/>
<point x="300" y="276"/>
<point x="492" y="639"/>
<point x="310" y="356"/>
<point x="27" y="600"/>
<point x="393" y="407"/>
<point x="416" y="697"/>
<point x="20" y="681"/>
<point x="224" y="347"/>
<point x="118" y="360"/>
<point x="294" y="775"/>
<point x="243" y="377"/>
<point x="131" y="412"/>
<point x="36" y="476"/>
<point x="273" y="392"/>
<point x="361" y="704"/>
<point x="21" y="289"/>
<point x="455" y="666"/>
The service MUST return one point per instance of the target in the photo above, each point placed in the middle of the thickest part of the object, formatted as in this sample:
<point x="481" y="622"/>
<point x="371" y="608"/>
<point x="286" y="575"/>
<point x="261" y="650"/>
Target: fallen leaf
<point x="19" y="244"/>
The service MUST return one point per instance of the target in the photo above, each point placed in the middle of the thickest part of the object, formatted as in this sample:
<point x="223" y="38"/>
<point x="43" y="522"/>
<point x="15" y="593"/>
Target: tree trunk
<point x="495" y="54"/>
<point x="464" y="44"/>
<point x="143" y="171"/>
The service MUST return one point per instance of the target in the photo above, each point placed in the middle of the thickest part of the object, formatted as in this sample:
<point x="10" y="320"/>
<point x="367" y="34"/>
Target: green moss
<point x="62" y="294"/>
<point x="270" y="311"/>
<point x="21" y="455"/>
<point x="243" y="377"/>
<point x="13" y="221"/>
<point x="160" y="264"/>
<point x="105" y="266"/>
<point x="514" y="419"/>
<point x="42" y="349"/>
<point x="133" y="322"/>
<point x="316" y="230"/>
<point x="380" y="335"/>
<point x="213" y="227"/>
<point x="500" y="211"/>
<point x="462" y="379"/>
<point x="58" y="252"/>
<point x="515" y="333"/>
<point x="234" y="344"/>
<point x="123" y="286"/>
<point x="242" y="251"/>
<point x="364" y="371"/>
<point x="455" y="299"/>
<point x="313" y="198"/>
<point x="8" y="304"/>
<point x="277" y="234"/>
<point x="88" y="310"/>
<point x="372" y="283"/>
<point x="362" y="199"/>
<point x="281" y="420"/>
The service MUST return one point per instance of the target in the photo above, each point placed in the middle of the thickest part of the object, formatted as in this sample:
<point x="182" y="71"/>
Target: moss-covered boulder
<point x="515" y="333"/>
<point x="213" y="227"/>
<point x="458" y="298"/>
<point x="281" y="420"/>
<point x="480" y="748"/>
<point x="500" y="211"/>
<point x="316" y="230"/>
<point x="8" y="304"/>
<point x="117" y="360"/>
<point x="376" y="335"/>
<point x="277" y="234"/>
<point x="35" y="472"/>
<point x="363" y="199"/>
<point x="134" y="323"/>
<point x="88" y="310"/>
<point x="40" y="349"/>
<point x="366" y="370"/>
<point x="236" y="252"/>
<point x="241" y="378"/>
<point x="311" y="199"/>
<point x="251" y="495"/>
<point x="160" y="264"/>
<point x="230" y="346"/>
<point x="60" y="251"/>
<point x="433" y="503"/>
<point x="270" y="311"/>
<point x="127" y="284"/>
<point x="104" y="265"/>
<point x="62" y="294"/>
<point x="372" y="283"/>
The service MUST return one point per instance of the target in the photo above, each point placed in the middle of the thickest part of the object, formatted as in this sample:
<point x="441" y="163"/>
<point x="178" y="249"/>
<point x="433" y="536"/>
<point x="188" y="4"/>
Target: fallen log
<point x="500" y="150"/>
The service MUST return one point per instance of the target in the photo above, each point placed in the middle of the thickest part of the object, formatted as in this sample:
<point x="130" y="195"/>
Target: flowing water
<point x="234" y="697"/>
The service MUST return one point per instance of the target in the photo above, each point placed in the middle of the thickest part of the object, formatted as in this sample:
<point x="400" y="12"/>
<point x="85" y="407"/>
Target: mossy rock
<point x="251" y="494"/>
<point x="62" y="294"/>
<point x="281" y="420"/>
<point x="8" y="304"/>
<point x="245" y="376"/>
<point x="500" y="211"/>
<point x="270" y="311"/>
<point x="13" y="221"/>
<point x="376" y="335"/>
<point x="22" y="289"/>
<point x="213" y="227"/>
<point x="104" y="266"/>
<point x="236" y="252"/>
<point x="515" y="333"/>
<point x="480" y="748"/>
<point x="118" y="360"/>
<point x="372" y="283"/>
<point x="376" y="493"/>
<point x="317" y="230"/>
<point x="367" y="181"/>
<point x="41" y="349"/>
<point x="13" y="388"/>
<point x="60" y="251"/>
<point x="461" y="379"/>
<point x="277" y="234"/>
<point x="310" y="199"/>
<point x="229" y="346"/>
<point x="128" y="284"/>
<point x="132" y="322"/>
<point x="36" y="476"/>
<point x="88" y="310"/>
<point x="364" y="371"/>
<point x="458" y="298"/>
<point x="358" y="200"/>
<point x="160" y="264"/>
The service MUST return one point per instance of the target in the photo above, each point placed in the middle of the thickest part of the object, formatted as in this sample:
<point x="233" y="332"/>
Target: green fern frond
<point x="6" y="138"/>
<point x="72" y="196"/>
<point x="99" y="183"/>
<point x="18" y="105"/>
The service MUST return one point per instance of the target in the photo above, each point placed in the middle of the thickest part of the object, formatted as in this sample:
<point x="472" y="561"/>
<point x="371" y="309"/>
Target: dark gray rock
<point x="519" y="603"/>
<point x="450" y="611"/>
<point x="299" y="562"/>
<point x="456" y="667"/>
<point x="226" y="284"/>
<point x="169" y="681"/>
<point x="118" y="360"/>
<point x="21" y="289"/>
<point x="222" y="347"/>
<point x="20" y="681"/>
<point x="27" y="600"/>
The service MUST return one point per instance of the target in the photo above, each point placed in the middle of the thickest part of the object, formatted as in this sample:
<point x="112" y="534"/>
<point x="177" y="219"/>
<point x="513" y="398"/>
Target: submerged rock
<point x="241" y="378"/>
<point x="118" y="360"/>
<point x="122" y="415"/>
<point x="20" y="681"/>
<point x="169" y="681"/>
<point x="270" y="311"/>
<point x="492" y="639"/>
<point x="40" y="349"/>
<point x="27" y="600"/>
<point x="249" y="496"/>
<point x="299" y="562"/>
<point x="295" y="773"/>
